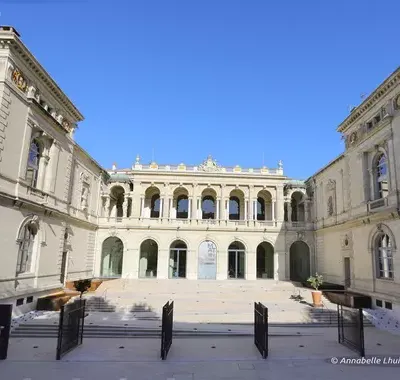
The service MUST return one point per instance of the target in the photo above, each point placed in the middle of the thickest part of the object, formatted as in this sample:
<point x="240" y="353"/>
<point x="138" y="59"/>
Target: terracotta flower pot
<point x="316" y="297"/>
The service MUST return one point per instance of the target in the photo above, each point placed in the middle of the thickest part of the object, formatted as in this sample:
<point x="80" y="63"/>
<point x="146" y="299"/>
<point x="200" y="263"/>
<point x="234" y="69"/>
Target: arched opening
<point x="234" y="208"/>
<point x="208" y="207"/>
<point x="180" y="204"/>
<point x="298" y="214"/>
<point x="177" y="260"/>
<point x="236" y="205"/>
<point x="265" y="260"/>
<point x="207" y="265"/>
<point x="28" y="246"/>
<point x="384" y="256"/>
<point x="264" y="205"/>
<point x="112" y="253"/>
<point x="152" y="203"/>
<point x="380" y="174"/>
<point x="148" y="259"/>
<point x="236" y="260"/>
<point x="155" y="206"/>
<point x="117" y="194"/>
<point x="299" y="261"/>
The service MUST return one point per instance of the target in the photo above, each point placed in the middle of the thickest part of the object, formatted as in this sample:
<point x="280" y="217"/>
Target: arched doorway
<point x="207" y="268"/>
<point x="148" y="259"/>
<point x="299" y="261"/>
<point x="112" y="253"/>
<point x="177" y="260"/>
<point x="236" y="260"/>
<point x="265" y="260"/>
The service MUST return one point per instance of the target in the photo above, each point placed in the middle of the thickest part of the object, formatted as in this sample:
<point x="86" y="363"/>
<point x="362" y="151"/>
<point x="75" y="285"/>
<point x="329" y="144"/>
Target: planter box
<point x="349" y="299"/>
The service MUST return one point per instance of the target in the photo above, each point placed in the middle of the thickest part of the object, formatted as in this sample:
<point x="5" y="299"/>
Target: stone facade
<point x="64" y="218"/>
<point x="47" y="230"/>
<point x="167" y="204"/>
<point x="356" y="200"/>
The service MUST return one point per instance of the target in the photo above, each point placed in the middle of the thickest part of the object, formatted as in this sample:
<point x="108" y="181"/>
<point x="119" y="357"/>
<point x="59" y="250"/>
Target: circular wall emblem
<point x="397" y="102"/>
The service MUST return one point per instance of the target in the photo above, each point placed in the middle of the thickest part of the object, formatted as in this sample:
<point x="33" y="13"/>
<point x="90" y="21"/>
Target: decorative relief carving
<point x="330" y="206"/>
<point x="209" y="165"/>
<point x="346" y="241"/>
<point x="353" y="138"/>
<point x="397" y="102"/>
<point x="300" y="235"/>
<point x="19" y="80"/>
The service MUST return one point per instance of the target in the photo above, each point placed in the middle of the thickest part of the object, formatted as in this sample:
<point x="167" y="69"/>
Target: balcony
<point x="177" y="222"/>
<point x="377" y="204"/>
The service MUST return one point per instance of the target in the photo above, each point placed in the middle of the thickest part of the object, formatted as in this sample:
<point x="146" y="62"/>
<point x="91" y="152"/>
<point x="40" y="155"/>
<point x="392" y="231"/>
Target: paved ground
<point x="200" y="358"/>
<point x="305" y="353"/>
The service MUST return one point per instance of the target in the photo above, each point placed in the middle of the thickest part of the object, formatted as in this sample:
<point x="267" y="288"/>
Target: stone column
<point x="107" y="206"/>
<point x="306" y="211"/>
<point x="217" y="206"/>
<point x="273" y="210"/>
<point x="289" y="210"/>
<point x="279" y="204"/>
<point x="142" y="206"/>
<point x="161" y="206"/>
<point x="125" y="206"/>
<point x="189" y="207"/>
<point x="246" y="202"/>
<point x="255" y="209"/>
<point x="43" y="162"/>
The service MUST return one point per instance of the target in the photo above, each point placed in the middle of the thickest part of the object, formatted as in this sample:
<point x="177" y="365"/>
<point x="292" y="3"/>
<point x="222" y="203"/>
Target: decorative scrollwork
<point x="19" y="80"/>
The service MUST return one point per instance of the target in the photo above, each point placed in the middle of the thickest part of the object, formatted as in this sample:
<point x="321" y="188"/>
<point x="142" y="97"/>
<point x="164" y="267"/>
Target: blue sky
<point x="236" y="79"/>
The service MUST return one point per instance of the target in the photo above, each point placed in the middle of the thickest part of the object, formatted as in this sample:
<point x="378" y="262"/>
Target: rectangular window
<point x="20" y="301"/>
<point x="388" y="305"/>
<point x="378" y="303"/>
<point x="29" y="299"/>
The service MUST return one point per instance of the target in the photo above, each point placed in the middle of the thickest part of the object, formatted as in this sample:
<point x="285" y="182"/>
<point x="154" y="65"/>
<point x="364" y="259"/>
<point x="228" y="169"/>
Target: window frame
<point x="384" y="260"/>
<point x="34" y="168"/>
<point x="26" y="249"/>
<point x="379" y="162"/>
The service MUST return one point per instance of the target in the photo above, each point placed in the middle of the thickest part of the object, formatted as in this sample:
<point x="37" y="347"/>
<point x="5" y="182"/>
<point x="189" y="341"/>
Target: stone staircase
<point x="133" y="309"/>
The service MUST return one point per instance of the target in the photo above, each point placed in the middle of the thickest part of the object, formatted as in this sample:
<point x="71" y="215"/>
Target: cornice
<point x="12" y="41"/>
<point x="369" y="102"/>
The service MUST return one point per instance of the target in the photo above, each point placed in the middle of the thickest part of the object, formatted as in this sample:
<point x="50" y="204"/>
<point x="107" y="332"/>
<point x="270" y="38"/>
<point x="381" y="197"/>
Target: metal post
<point x="60" y="335"/>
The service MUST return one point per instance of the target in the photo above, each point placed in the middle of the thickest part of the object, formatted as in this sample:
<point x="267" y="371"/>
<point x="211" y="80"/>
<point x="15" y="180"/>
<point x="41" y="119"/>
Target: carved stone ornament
<point x="113" y="231"/>
<point x="85" y="177"/>
<point x="331" y="185"/>
<point x="66" y="125"/>
<point x="397" y="102"/>
<point x="379" y="227"/>
<point x="19" y="80"/>
<point x="330" y="206"/>
<point x="300" y="235"/>
<point x="353" y="138"/>
<point x="209" y="165"/>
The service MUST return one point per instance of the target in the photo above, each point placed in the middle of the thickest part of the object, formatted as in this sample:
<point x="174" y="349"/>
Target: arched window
<point x="208" y="207"/>
<point x="182" y="205"/>
<point x="260" y="208"/>
<point x="33" y="163"/>
<point x="381" y="183"/>
<point x="234" y="208"/>
<point x="26" y="245"/>
<point x="155" y="206"/>
<point x="384" y="257"/>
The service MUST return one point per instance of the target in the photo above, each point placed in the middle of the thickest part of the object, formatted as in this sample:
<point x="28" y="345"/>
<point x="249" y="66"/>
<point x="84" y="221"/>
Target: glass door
<point x="236" y="260"/>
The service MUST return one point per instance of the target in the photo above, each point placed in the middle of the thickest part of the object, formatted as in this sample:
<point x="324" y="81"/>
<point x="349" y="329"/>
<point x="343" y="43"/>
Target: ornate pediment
<point x="209" y="165"/>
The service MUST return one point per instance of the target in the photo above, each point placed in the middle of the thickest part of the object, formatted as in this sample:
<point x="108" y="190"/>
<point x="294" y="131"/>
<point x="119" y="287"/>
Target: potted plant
<point x="316" y="281"/>
<point x="82" y="286"/>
